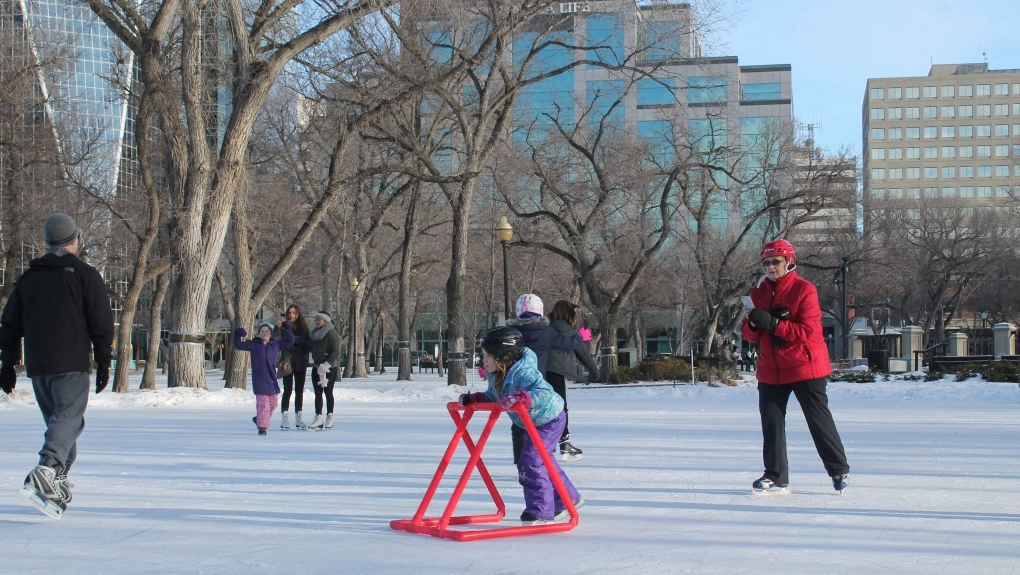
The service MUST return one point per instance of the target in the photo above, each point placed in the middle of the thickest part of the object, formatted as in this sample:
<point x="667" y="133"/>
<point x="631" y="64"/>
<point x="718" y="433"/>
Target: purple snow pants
<point x="540" y="497"/>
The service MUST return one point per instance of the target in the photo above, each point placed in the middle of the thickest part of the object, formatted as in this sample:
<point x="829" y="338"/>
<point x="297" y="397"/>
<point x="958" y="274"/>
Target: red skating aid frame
<point x="439" y="526"/>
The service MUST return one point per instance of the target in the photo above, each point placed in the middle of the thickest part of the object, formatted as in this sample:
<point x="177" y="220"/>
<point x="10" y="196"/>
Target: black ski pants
<point x="320" y="391"/>
<point x="559" y="385"/>
<point x="772" y="401"/>
<point x="293" y="383"/>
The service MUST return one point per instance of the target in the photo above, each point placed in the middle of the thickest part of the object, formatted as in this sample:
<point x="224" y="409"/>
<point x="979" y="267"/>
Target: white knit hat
<point x="324" y="317"/>
<point x="529" y="302"/>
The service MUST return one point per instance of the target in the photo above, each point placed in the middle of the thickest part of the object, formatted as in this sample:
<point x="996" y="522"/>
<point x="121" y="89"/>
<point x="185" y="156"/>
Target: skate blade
<point x="569" y="457"/>
<point x="773" y="491"/>
<point x="45" y="505"/>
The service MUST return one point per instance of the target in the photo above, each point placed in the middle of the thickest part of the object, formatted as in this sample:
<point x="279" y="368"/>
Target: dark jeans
<point x="559" y="385"/>
<point x="289" y="386"/>
<point x="330" y="381"/>
<point x="772" y="401"/>
<point x="62" y="399"/>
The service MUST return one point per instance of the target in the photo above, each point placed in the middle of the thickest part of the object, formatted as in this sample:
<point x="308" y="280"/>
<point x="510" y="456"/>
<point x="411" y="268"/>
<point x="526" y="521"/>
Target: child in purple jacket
<point x="264" y="352"/>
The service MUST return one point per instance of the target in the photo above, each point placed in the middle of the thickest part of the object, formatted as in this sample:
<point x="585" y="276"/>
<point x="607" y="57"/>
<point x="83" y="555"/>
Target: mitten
<point x="102" y="377"/>
<point x="240" y="332"/>
<point x="762" y="319"/>
<point x="8" y="378"/>
<point x="322" y="370"/>
<point x="516" y="397"/>
<point x="476" y="397"/>
<point x="585" y="334"/>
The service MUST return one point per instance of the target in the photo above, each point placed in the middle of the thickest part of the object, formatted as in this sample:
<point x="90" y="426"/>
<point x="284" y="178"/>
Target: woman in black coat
<point x="298" y="354"/>
<point x="563" y="365"/>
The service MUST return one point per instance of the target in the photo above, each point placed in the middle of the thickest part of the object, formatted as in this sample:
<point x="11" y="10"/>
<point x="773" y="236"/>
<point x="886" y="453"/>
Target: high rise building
<point x="951" y="138"/>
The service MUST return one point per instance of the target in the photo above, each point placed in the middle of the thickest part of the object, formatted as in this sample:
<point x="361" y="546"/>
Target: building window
<point x="949" y="192"/>
<point x="878" y="193"/>
<point x="1002" y="151"/>
<point x="897" y="153"/>
<point x="929" y="91"/>
<point x="1001" y="171"/>
<point x="1016" y="89"/>
<point x="984" y="90"/>
<point x="1016" y="150"/>
<point x="966" y="111"/>
<point x="895" y="133"/>
<point x="913" y="153"/>
<point x="878" y="153"/>
<point x="931" y="152"/>
<point x="878" y="113"/>
<point x="931" y="173"/>
<point x="984" y="131"/>
<point x="913" y="133"/>
<point x="1002" y="191"/>
<point x="948" y="131"/>
<point x="656" y="92"/>
<point x="895" y="113"/>
<point x="984" y="171"/>
<point x="913" y="113"/>
<point x="966" y="191"/>
<point x="966" y="91"/>
<point x="948" y="151"/>
<point x="984" y="151"/>
<point x="913" y="193"/>
<point x="878" y="133"/>
<point x="913" y="93"/>
<point x="607" y="32"/>
<point x="966" y="131"/>
<point x="949" y="172"/>
<point x="931" y="111"/>
<point x="1002" y="130"/>
<point x="984" y="191"/>
<point x="931" y="132"/>
<point x="897" y="93"/>
<point x="768" y="92"/>
<point x="877" y="173"/>
<point x="966" y="213"/>
<point x="1002" y="109"/>
<point x="878" y="93"/>
<point x="706" y="89"/>
<point x="897" y="173"/>
<point x="966" y="171"/>
<point x="1002" y="89"/>
<point x="661" y="40"/>
<point x="931" y="192"/>
<point x="1016" y="109"/>
<point x="895" y="193"/>
<point x="966" y="151"/>
<point x="948" y="91"/>
<point x="984" y="110"/>
<point x="1016" y="129"/>
<point x="948" y="111"/>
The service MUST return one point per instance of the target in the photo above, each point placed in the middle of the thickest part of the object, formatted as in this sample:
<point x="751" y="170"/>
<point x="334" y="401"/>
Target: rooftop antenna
<point x="984" y="54"/>
<point x="812" y="153"/>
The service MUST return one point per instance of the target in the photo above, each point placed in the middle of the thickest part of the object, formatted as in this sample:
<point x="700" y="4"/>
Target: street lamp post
<point x="505" y="233"/>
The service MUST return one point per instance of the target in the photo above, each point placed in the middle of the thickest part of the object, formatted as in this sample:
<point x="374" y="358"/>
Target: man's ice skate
<point x="841" y="482"/>
<point x="42" y="491"/>
<point x="285" y="424"/>
<point x="569" y="453"/>
<point x="298" y="422"/>
<point x="317" y="423"/>
<point x="764" y="485"/>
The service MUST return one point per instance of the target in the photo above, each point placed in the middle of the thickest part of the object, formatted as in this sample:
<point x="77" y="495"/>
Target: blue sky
<point x="834" y="47"/>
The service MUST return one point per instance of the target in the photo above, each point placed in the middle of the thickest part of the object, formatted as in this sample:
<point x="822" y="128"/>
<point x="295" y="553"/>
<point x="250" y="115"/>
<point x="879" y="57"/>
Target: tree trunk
<point x="404" y="289"/>
<point x="155" y="328"/>
<point x="455" y="287"/>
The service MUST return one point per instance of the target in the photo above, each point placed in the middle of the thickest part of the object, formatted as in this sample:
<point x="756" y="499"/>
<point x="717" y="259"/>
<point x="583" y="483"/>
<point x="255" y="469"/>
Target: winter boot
<point x="42" y="491"/>
<point x="841" y="482"/>
<point x="765" y="485"/>
<point x="569" y="453"/>
<point x="329" y="421"/>
<point x="285" y="424"/>
<point x="317" y="423"/>
<point x="298" y="422"/>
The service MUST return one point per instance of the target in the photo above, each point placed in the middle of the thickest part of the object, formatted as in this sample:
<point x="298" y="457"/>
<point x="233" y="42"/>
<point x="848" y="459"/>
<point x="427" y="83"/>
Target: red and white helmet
<point x="780" y="248"/>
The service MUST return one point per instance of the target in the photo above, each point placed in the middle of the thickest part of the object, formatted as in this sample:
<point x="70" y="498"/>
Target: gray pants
<point x="62" y="399"/>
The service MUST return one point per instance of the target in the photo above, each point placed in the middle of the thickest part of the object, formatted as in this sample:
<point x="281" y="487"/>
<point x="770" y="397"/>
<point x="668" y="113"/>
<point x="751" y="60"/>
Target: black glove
<point x="102" y="378"/>
<point x="762" y="319"/>
<point x="8" y="378"/>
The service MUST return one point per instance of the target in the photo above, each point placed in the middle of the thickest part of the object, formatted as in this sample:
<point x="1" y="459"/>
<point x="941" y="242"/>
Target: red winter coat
<point x="804" y="355"/>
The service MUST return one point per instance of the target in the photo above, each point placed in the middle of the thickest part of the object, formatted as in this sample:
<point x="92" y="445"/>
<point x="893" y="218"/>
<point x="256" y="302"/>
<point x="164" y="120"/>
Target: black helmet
<point x="506" y="344"/>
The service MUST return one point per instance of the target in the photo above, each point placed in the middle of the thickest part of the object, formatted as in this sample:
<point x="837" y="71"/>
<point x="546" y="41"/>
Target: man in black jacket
<point x="61" y="308"/>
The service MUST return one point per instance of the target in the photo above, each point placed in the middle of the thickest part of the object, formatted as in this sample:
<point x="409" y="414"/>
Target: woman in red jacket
<point x="786" y="323"/>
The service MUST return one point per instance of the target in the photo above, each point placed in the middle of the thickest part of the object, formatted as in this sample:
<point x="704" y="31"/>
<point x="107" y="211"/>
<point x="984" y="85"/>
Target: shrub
<point x="852" y="376"/>
<point x="670" y="370"/>
<point x="990" y="371"/>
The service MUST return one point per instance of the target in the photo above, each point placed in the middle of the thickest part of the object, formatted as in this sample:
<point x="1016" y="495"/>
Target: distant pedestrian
<point x="61" y="307"/>
<point x="326" y="361"/>
<point x="786" y="322"/>
<point x="264" y="350"/>
<point x="563" y="365"/>
<point x="298" y="356"/>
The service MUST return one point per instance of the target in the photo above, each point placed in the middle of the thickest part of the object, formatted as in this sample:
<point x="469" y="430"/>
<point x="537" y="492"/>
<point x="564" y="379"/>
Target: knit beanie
<point x="324" y="317"/>
<point x="60" y="230"/>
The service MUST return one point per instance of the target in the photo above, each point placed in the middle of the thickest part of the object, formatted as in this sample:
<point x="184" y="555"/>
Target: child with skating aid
<point x="264" y="352"/>
<point x="514" y="378"/>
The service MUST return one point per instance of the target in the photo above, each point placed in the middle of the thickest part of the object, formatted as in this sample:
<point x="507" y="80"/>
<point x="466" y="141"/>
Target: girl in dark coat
<point x="298" y="354"/>
<point x="264" y="351"/>
<point x="564" y="364"/>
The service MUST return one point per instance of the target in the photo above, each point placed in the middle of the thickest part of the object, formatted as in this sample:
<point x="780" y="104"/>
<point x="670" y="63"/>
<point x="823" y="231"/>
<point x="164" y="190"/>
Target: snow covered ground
<point x="177" y="481"/>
